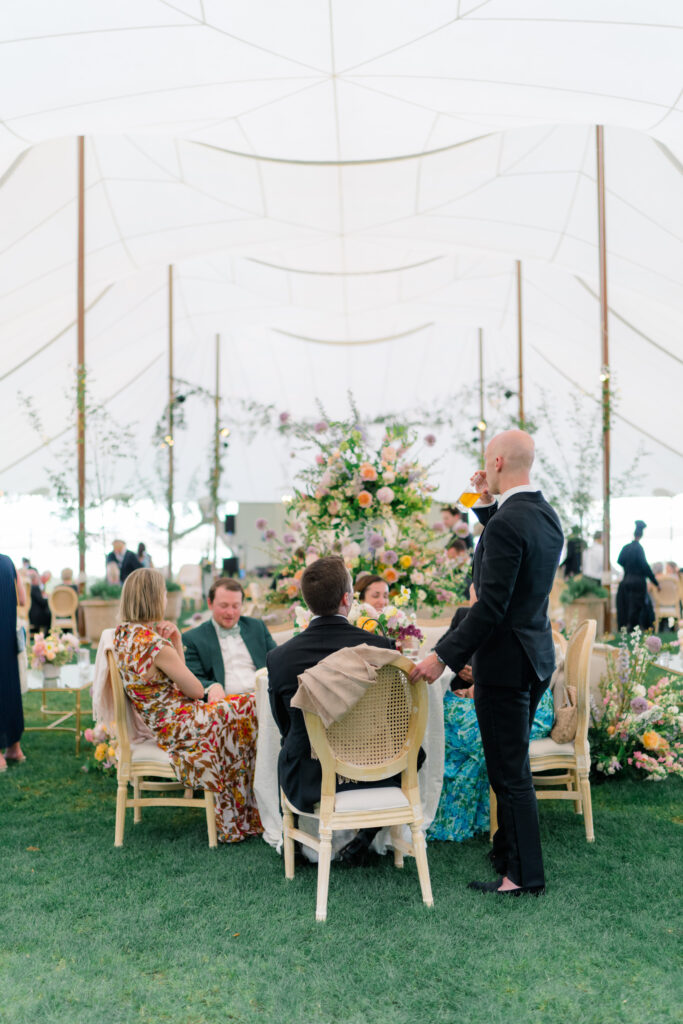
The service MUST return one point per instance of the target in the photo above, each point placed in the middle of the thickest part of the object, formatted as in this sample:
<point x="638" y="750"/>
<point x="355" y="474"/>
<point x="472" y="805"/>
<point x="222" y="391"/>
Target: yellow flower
<point x="389" y="611"/>
<point x="111" y="751"/>
<point x="100" y="751"/>
<point x="405" y="561"/>
<point x="653" y="741"/>
<point x="402" y="598"/>
<point x="611" y="730"/>
<point x="366" y="623"/>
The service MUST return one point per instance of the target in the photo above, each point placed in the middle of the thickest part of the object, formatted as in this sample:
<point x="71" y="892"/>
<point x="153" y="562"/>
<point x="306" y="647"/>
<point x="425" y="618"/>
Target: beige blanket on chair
<point x="337" y="683"/>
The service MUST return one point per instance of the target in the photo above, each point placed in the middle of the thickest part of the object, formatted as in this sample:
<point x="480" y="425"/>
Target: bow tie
<point x="223" y="632"/>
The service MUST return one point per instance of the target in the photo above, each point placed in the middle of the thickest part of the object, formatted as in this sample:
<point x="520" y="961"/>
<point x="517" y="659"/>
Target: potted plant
<point x="100" y="609"/>
<point x="584" y="599"/>
<point x="174" y="600"/>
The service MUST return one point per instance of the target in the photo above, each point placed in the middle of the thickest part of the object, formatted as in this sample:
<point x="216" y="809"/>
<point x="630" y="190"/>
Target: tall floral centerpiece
<point x="370" y="507"/>
<point x="638" y="726"/>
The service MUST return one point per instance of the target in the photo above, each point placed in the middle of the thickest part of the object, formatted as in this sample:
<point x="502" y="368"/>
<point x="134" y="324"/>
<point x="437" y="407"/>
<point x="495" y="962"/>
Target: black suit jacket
<point x="299" y="774"/>
<point x="514" y="568"/>
<point x="129" y="564"/>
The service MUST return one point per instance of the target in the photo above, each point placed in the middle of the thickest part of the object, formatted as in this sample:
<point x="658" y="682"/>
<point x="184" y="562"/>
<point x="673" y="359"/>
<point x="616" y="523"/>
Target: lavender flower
<point x="390" y="558"/>
<point x="430" y="440"/>
<point x="270" y="534"/>
<point x="639" y="704"/>
<point x="261" y="524"/>
<point x="375" y="541"/>
<point x="284" y="417"/>
<point x="289" y="538"/>
<point x="653" y="644"/>
<point x="321" y="427"/>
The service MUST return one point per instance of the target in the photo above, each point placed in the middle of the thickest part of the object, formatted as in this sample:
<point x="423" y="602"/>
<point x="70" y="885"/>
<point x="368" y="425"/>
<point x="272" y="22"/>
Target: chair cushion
<point x="380" y="798"/>
<point x="541" y="748"/>
<point x="149" y="751"/>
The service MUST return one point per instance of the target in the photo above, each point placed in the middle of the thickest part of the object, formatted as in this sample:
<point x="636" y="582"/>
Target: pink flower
<point x="438" y="527"/>
<point x="321" y="427"/>
<point x="653" y="644"/>
<point x="89" y="735"/>
<point x="385" y="495"/>
<point x="284" y="417"/>
<point x="261" y="524"/>
<point x="333" y="507"/>
<point x="389" y="454"/>
<point x="320" y="459"/>
<point x="270" y="534"/>
<point x="390" y="557"/>
<point x="430" y="440"/>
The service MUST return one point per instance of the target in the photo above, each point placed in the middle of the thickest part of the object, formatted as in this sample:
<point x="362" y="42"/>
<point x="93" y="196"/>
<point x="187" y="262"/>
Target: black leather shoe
<point x="300" y="858"/>
<point x="357" y="853"/>
<point x="498" y="866"/>
<point x="521" y="890"/>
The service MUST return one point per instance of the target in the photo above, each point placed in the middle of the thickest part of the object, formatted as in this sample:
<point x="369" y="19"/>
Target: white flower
<point x="421" y="595"/>
<point x="672" y="709"/>
<point x="639" y="691"/>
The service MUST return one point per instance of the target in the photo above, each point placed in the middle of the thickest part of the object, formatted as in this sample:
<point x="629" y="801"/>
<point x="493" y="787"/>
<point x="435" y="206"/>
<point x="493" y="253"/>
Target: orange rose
<point x="390" y="574"/>
<point x="611" y="730"/>
<point x="298" y="574"/>
<point x="365" y="499"/>
<point x="367" y="472"/>
<point x="366" y="623"/>
<point x="292" y="590"/>
<point x="653" y="741"/>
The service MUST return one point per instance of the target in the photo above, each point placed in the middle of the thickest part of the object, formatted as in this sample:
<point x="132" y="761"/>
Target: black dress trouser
<point x="505" y="715"/>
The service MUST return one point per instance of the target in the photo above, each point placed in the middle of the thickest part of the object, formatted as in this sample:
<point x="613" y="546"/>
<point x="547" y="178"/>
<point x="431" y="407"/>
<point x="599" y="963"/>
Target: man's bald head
<point x="509" y="458"/>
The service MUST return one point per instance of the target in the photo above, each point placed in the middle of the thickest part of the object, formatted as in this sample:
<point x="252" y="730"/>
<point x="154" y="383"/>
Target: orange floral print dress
<point x="211" y="746"/>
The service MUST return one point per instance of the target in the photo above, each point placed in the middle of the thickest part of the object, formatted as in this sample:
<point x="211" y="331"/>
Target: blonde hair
<point x="143" y="598"/>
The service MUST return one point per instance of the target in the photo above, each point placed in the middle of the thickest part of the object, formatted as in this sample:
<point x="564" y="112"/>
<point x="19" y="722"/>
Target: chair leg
<point x="211" y="818"/>
<point x="324" y="858"/>
<point x="287" y="841"/>
<point x="398" y="855"/>
<point x="137" y="811"/>
<point x="585" y="790"/>
<point x="121" y="794"/>
<point x="493" y="812"/>
<point x="420" y="851"/>
<point x="578" y="806"/>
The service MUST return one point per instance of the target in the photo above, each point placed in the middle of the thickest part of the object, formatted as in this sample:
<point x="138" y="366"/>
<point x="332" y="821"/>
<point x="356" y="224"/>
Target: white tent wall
<point x="343" y="190"/>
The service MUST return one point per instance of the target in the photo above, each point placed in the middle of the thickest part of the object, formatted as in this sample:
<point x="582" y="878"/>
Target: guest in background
<point x="211" y="745"/>
<point x="634" y="605"/>
<point x="457" y="551"/>
<point x="144" y="558"/>
<point x="593" y="559"/>
<point x="572" y="560"/>
<point x="457" y="524"/>
<point x="230" y="647"/>
<point x="67" y="578"/>
<point x="11" y="710"/>
<point x="372" y="591"/>
<point x="39" y="614"/>
<point x="122" y="560"/>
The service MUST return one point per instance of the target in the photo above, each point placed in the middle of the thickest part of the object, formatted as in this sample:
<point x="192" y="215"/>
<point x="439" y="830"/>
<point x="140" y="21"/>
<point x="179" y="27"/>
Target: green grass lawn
<point x="166" y="930"/>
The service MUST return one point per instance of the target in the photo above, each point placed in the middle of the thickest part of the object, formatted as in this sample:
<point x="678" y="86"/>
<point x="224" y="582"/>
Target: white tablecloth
<point x="430" y="776"/>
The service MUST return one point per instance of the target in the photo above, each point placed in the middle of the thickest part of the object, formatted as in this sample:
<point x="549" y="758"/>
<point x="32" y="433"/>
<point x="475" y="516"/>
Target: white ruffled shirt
<point x="240" y="671"/>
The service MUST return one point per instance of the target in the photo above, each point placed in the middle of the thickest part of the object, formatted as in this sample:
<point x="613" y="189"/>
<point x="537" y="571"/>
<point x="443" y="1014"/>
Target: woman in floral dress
<point x="463" y="809"/>
<point x="211" y="745"/>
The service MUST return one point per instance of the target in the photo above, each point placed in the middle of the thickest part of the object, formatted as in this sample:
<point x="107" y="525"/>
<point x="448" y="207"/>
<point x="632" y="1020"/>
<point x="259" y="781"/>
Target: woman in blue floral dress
<point x="463" y="809"/>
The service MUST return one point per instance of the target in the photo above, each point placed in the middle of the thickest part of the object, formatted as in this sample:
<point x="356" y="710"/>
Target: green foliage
<point x="105" y="591"/>
<point x="581" y="586"/>
<point x="172" y="586"/>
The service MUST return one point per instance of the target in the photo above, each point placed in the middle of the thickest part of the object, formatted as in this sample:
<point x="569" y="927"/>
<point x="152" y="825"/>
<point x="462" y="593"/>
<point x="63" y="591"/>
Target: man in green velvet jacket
<point x="229" y="648"/>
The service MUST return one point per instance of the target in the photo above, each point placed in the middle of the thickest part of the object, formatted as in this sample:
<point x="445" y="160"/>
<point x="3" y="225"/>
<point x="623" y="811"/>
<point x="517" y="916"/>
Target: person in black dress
<point x="634" y="607"/>
<point x="39" y="614"/>
<point x="11" y="710"/>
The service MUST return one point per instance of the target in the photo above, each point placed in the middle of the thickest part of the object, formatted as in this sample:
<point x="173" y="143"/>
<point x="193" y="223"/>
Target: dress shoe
<point x="300" y="858"/>
<point x="357" y="853"/>
<point x="521" y="890"/>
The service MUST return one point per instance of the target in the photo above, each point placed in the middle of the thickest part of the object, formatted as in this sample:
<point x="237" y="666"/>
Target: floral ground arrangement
<point x="368" y="505"/>
<point x="637" y="728"/>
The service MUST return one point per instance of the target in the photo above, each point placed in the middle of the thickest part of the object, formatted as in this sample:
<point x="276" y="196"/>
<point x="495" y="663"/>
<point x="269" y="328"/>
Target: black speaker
<point x="231" y="566"/>
<point x="230" y="524"/>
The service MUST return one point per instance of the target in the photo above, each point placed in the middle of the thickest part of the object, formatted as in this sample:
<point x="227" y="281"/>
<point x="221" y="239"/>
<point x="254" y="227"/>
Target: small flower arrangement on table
<point x="54" y="649"/>
<point x="638" y="727"/>
<point x="104" y="756"/>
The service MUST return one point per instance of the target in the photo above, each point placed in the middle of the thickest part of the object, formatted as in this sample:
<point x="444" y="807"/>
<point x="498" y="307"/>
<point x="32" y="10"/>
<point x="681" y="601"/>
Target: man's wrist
<point x="438" y="657"/>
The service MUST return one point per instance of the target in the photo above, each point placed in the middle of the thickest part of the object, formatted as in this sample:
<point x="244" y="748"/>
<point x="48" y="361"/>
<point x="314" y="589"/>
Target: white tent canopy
<point x="343" y="190"/>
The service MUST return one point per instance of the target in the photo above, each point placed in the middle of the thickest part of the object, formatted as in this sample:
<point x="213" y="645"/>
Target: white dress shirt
<point x="592" y="561"/>
<point x="240" y="671"/>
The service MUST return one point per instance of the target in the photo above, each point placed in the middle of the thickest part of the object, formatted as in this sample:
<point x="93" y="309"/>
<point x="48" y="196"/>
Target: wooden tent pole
<point x="80" y="363"/>
<point x="170" y="439"/>
<point x="605" y="371"/>
<point x="482" y="421"/>
<point x="520" y="347"/>
<point x="216" y="452"/>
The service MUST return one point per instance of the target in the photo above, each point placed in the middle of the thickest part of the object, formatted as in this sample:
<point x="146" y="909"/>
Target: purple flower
<point x="438" y="528"/>
<point x="289" y="538"/>
<point x="321" y="427"/>
<point x="653" y="644"/>
<point x="270" y="534"/>
<point x="375" y="541"/>
<point x="261" y="524"/>
<point x="390" y="558"/>
<point x="639" y="704"/>
<point x="430" y="440"/>
<point x="284" y="417"/>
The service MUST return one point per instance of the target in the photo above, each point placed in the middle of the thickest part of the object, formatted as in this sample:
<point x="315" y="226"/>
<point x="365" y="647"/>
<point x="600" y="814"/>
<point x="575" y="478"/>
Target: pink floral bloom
<point x="289" y="538"/>
<point x="333" y="507"/>
<point x="320" y="459"/>
<point x="390" y="558"/>
<point x="89" y="735"/>
<point x="284" y="417"/>
<point x="261" y="524"/>
<point x="385" y="495"/>
<point x="438" y="528"/>
<point x="270" y="534"/>
<point x="321" y="427"/>
<point x="389" y="454"/>
<point x="430" y="440"/>
<point x="653" y="644"/>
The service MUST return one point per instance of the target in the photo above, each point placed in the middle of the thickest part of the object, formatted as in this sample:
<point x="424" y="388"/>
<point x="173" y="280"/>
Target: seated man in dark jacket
<point x="328" y="591"/>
